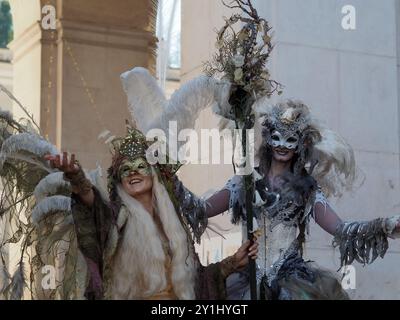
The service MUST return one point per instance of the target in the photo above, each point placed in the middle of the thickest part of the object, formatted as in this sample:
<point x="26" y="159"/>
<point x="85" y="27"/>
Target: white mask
<point x="289" y="141"/>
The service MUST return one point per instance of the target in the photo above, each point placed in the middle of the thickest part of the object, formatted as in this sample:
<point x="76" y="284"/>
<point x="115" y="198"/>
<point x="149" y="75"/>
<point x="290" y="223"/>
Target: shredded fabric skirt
<point x="296" y="280"/>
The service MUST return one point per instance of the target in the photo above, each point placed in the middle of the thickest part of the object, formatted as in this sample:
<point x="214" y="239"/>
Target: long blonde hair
<point x="139" y="263"/>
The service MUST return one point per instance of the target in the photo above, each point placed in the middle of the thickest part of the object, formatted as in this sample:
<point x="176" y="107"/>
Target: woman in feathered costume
<point x="300" y="162"/>
<point x="137" y="246"/>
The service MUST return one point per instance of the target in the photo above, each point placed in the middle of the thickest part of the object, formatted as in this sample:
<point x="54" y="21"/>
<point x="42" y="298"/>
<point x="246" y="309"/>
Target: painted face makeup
<point x="138" y="165"/>
<point x="289" y="141"/>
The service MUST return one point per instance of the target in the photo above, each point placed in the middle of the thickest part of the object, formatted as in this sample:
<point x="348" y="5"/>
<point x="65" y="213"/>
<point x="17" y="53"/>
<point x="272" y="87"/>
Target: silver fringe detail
<point x="293" y="250"/>
<point x="192" y="208"/>
<point x="361" y="241"/>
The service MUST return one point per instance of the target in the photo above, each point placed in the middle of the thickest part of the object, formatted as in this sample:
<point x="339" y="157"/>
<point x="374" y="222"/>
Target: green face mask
<point x="138" y="165"/>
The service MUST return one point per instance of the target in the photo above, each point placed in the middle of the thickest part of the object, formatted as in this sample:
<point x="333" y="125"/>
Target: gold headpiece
<point x="132" y="146"/>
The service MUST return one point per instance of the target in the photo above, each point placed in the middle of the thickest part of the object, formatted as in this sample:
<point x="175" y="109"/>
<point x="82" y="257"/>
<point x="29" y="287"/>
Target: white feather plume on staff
<point x="146" y="101"/>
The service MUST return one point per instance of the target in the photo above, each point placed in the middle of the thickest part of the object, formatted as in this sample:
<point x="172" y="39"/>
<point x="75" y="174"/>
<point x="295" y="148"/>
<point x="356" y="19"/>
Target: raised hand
<point x="63" y="164"/>
<point x="74" y="174"/>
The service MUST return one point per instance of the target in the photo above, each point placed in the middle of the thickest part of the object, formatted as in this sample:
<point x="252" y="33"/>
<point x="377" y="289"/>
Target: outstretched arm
<point x="360" y="241"/>
<point x="326" y="217"/>
<point x="328" y="220"/>
<point x="93" y="217"/>
<point x="75" y="175"/>
<point x="218" y="203"/>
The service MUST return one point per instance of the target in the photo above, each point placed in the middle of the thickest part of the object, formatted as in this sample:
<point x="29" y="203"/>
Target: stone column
<point x="69" y="77"/>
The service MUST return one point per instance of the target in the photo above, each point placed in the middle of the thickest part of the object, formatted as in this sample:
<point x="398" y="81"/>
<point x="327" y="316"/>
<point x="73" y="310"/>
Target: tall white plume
<point x="146" y="101"/>
<point x="149" y="107"/>
<point x="336" y="167"/>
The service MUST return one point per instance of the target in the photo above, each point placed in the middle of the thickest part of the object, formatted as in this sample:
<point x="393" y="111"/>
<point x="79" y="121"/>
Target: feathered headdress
<point x="321" y="152"/>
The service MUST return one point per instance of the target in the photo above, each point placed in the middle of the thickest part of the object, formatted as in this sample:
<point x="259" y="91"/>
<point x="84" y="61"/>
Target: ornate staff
<point x="241" y="60"/>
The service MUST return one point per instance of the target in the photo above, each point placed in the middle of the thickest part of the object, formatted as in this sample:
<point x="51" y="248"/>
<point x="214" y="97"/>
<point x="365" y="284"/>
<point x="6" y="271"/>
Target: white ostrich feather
<point x="152" y="111"/>
<point x="17" y="145"/>
<point x="186" y="103"/>
<point x="107" y="136"/>
<point x="104" y="134"/>
<point x="49" y="185"/>
<point x="222" y="92"/>
<point x="149" y="106"/>
<point x="146" y="100"/>
<point x="336" y="166"/>
<point x="50" y="205"/>
<point x="184" y="108"/>
<point x="262" y="106"/>
<point x="53" y="182"/>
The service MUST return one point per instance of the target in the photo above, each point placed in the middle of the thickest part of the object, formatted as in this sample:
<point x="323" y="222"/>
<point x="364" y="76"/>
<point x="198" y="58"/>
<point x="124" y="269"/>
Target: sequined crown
<point x="133" y="146"/>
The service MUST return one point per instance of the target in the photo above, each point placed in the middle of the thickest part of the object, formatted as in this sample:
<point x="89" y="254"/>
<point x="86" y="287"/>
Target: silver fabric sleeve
<point x="193" y="209"/>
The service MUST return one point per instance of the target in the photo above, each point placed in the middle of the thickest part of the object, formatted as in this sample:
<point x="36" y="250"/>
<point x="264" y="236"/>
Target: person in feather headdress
<point x="299" y="162"/>
<point x="136" y="246"/>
